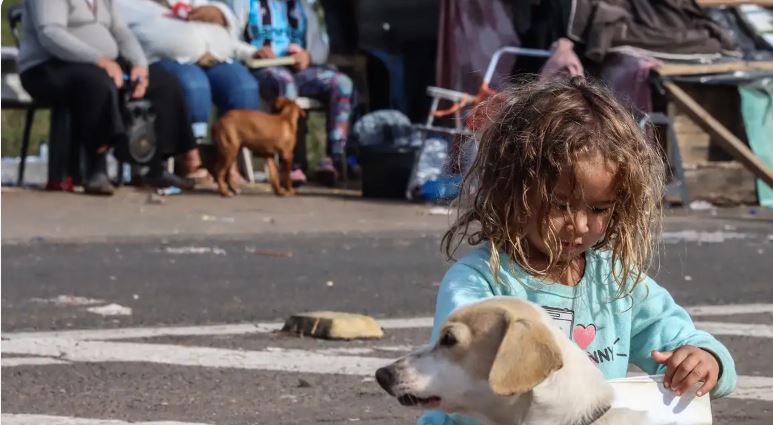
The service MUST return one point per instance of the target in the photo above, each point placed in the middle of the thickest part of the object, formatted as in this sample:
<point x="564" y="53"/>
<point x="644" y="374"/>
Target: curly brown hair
<point x="532" y="132"/>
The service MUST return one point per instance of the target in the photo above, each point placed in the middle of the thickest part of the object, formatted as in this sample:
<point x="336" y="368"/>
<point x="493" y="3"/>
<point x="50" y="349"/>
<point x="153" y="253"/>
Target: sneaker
<point x="166" y="179"/>
<point x="99" y="184"/>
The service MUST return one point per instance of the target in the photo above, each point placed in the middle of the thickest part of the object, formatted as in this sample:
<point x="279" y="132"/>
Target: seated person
<point x="76" y="53"/>
<point x="279" y="28"/>
<point x="203" y="56"/>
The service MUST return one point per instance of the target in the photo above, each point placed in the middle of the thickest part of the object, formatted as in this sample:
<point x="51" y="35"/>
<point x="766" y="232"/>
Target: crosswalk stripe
<point x="27" y="419"/>
<point x="718" y="328"/>
<point x="729" y="309"/>
<point x="736" y="329"/>
<point x="285" y="360"/>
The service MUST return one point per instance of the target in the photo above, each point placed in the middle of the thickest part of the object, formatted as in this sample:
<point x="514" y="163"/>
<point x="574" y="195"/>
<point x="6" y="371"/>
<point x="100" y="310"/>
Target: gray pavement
<point x="198" y="272"/>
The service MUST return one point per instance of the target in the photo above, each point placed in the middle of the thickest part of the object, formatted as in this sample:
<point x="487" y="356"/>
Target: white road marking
<point x="729" y="309"/>
<point x="111" y="310"/>
<point x="754" y="388"/>
<point x="25" y="419"/>
<point x="29" y="361"/>
<point x="285" y="360"/>
<point x="736" y="329"/>
<point x="718" y="236"/>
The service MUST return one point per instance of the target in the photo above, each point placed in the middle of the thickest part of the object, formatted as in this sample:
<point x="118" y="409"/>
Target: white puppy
<point x="503" y="362"/>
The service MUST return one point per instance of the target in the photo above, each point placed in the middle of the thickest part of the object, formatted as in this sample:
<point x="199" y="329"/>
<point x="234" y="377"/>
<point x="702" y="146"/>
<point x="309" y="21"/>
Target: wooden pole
<point x="733" y="145"/>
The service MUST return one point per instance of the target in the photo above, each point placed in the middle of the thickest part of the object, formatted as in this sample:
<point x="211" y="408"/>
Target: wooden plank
<point x="715" y="3"/>
<point x="713" y="68"/>
<point x="733" y="145"/>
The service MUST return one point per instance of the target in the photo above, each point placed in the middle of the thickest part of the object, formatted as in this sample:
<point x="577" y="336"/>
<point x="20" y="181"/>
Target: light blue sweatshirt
<point x="613" y="332"/>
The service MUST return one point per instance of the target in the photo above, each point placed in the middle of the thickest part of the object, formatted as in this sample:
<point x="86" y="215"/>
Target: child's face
<point x="579" y="215"/>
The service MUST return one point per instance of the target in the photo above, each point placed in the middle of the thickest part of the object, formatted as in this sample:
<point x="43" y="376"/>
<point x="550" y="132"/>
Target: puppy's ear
<point x="526" y="356"/>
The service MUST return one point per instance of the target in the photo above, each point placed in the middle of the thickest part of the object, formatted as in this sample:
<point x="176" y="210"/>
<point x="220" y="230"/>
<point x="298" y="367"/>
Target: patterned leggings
<point x="317" y="82"/>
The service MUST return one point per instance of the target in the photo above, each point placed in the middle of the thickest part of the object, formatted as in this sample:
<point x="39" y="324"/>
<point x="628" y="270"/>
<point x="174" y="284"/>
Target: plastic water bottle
<point x="43" y="151"/>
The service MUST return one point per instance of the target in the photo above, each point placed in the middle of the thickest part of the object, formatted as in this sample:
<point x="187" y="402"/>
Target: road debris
<point x="111" y="310"/>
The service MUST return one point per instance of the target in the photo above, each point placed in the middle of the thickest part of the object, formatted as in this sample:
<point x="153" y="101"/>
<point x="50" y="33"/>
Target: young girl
<point x="564" y="196"/>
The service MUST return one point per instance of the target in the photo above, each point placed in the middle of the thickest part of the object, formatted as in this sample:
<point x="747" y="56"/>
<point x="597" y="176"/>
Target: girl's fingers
<point x="683" y="371"/>
<point x="698" y="373"/>
<point x="672" y="365"/>
<point x="711" y="382"/>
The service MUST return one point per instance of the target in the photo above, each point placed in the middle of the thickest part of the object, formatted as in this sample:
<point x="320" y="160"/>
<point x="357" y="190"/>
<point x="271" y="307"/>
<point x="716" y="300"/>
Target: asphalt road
<point x="179" y="364"/>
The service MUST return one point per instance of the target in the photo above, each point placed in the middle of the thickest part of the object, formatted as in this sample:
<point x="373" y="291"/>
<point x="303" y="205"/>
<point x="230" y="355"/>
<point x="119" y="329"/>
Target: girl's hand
<point x="265" y="52"/>
<point x="302" y="58"/>
<point x="687" y="365"/>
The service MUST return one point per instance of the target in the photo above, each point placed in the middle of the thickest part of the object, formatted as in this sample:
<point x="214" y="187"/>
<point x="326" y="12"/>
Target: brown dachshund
<point x="265" y="135"/>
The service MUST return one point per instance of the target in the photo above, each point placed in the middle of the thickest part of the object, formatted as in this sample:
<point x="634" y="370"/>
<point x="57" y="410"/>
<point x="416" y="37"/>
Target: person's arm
<point x="49" y="18"/>
<point x="128" y="46"/>
<point x="317" y="44"/>
<point x="660" y="324"/>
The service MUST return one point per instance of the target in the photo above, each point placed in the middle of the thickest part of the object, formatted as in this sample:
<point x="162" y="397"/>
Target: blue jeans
<point x="229" y="85"/>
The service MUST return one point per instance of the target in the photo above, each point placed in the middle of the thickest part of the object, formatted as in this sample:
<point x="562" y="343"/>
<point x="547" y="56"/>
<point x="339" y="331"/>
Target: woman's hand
<point x="113" y="70"/>
<point x="686" y="366"/>
<point x="208" y="14"/>
<point x="139" y="75"/>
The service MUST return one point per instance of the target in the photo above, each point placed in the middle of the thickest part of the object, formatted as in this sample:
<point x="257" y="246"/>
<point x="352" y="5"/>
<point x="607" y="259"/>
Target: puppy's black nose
<point x="386" y="379"/>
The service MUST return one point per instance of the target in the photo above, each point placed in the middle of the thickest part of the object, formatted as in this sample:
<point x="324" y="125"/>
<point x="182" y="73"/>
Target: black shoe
<point x="99" y="184"/>
<point x="165" y="179"/>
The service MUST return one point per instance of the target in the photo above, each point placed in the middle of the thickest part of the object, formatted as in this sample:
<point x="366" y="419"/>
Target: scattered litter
<point x="169" y="191"/>
<point x="369" y="379"/>
<point x="701" y="206"/>
<point x="770" y="238"/>
<point x="181" y="250"/>
<point x="135" y="297"/>
<point x="753" y="211"/>
<point x="707" y="237"/>
<point x="290" y="397"/>
<point x="268" y="252"/>
<point x="113" y="278"/>
<point x="329" y="283"/>
<point x="439" y="211"/>
<point x="268" y="220"/>
<point x="111" y="310"/>
<point x="688" y="278"/>
<point x="207" y="217"/>
<point x="154" y="199"/>
<point x="68" y="300"/>
<point x="354" y="419"/>
<point x="729" y="227"/>
<point x="302" y="383"/>
<point x="436" y="284"/>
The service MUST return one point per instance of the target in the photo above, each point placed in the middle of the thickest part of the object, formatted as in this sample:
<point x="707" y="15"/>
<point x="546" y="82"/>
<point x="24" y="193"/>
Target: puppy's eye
<point x="448" y="339"/>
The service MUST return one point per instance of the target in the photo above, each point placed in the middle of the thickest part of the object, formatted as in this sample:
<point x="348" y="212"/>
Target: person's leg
<point x="233" y="87"/>
<point x="275" y="82"/>
<point x="198" y="92"/>
<point x="336" y="89"/>
<point x="92" y="100"/>
<point x="174" y="133"/>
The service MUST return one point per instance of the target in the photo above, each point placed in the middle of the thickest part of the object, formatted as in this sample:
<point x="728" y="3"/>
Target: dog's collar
<point x="598" y="413"/>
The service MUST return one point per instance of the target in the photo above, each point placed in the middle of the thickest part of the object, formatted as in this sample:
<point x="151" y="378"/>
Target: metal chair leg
<point x="25" y="144"/>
